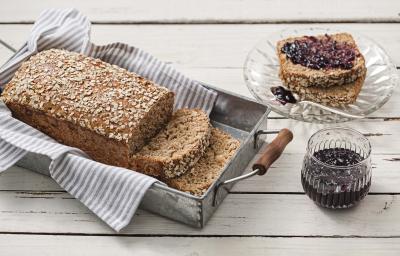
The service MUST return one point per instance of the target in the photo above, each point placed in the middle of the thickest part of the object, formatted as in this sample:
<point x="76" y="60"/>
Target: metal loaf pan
<point x="238" y="116"/>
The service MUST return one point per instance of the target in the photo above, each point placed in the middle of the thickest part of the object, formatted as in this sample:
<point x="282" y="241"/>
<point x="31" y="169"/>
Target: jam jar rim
<point x="367" y="158"/>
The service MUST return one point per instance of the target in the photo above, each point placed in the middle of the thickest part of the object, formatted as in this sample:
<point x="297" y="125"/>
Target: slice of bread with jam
<point x="320" y="61"/>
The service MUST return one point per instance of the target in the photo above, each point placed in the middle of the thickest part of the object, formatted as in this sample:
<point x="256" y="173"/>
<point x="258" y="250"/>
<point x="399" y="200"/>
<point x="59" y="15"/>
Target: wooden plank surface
<point x="218" y="60"/>
<point x="5" y="54"/>
<point x="209" y="11"/>
<point x="208" y="46"/>
<point x="240" y="214"/>
<point x="20" y="179"/>
<point x="20" y="245"/>
<point x="378" y="131"/>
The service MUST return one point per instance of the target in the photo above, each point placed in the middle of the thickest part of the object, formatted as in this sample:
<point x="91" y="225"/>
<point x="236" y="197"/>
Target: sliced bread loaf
<point x="102" y="109"/>
<point x="321" y="61"/>
<point x="208" y="168"/>
<point x="177" y="147"/>
<point x="335" y="96"/>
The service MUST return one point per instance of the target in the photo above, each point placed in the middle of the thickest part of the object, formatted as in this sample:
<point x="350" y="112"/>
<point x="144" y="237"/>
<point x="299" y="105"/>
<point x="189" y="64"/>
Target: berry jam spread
<point x="337" y="187"/>
<point x="338" y="156"/>
<point x="282" y="95"/>
<point x="320" y="53"/>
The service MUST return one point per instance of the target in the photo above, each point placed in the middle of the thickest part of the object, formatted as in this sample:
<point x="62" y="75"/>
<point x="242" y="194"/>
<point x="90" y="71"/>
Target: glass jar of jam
<point x="336" y="170"/>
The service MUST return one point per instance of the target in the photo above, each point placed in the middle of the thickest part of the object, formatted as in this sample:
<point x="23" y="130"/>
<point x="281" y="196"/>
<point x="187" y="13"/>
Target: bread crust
<point x="299" y="75"/>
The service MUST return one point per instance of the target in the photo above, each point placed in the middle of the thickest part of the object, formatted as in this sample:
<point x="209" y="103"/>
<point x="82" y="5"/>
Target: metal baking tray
<point x="237" y="115"/>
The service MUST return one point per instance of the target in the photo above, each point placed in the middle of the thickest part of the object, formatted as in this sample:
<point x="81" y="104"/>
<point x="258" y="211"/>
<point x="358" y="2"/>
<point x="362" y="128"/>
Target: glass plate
<point x="261" y="73"/>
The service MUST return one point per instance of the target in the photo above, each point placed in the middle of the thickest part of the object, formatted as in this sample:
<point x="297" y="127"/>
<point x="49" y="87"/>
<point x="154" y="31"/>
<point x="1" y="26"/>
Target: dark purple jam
<point x="338" y="156"/>
<point x="337" y="187"/>
<point x="320" y="53"/>
<point x="1" y="90"/>
<point x="282" y="95"/>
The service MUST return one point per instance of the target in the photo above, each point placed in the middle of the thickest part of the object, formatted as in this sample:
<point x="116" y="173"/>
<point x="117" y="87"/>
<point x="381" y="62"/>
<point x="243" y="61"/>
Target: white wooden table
<point x="208" y="40"/>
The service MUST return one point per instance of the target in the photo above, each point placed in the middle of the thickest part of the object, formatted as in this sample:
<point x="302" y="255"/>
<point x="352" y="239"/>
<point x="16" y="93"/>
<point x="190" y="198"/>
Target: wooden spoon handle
<point x="273" y="151"/>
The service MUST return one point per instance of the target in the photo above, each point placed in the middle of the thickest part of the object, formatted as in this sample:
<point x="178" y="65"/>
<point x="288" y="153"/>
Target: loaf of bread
<point x="302" y="75"/>
<point x="177" y="147"/>
<point x="83" y="102"/>
<point x="197" y="180"/>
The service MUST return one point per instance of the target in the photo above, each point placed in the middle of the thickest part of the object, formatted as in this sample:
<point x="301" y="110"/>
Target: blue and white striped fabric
<point x="112" y="193"/>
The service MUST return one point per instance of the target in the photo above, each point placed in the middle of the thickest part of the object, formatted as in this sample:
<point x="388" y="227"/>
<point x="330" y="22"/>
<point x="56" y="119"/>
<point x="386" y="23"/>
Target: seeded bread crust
<point x="83" y="102"/>
<point x="336" y="96"/>
<point x="177" y="147"/>
<point x="209" y="167"/>
<point x="299" y="75"/>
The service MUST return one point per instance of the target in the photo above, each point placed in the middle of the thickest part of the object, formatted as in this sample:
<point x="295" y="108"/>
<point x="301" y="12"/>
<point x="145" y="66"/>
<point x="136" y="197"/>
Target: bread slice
<point x="335" y="96"/>
<point x="299" y="75"/>
<point x="209" y="167"/>
<point x="177" y="147"/>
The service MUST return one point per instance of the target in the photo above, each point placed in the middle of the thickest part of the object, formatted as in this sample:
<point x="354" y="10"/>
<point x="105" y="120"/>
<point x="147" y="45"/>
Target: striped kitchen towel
<point x="112" y="193"/>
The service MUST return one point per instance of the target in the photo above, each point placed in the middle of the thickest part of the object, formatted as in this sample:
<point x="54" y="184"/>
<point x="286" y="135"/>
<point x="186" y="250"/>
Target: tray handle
<point x="273" y="151"/>
<point x="270" y="154"/>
